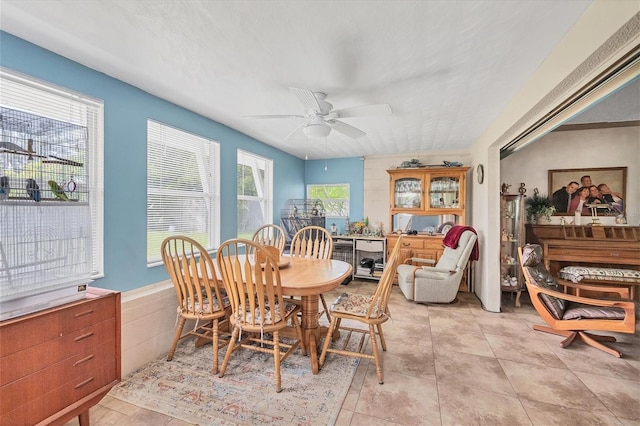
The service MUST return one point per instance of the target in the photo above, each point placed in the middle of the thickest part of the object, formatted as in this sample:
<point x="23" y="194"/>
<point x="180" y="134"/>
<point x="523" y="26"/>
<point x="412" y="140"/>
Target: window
<point x="255" y="193"/>
<point x="183" y="189"/>
<point x="70" y="110"/>
<point x="334" y="196"/>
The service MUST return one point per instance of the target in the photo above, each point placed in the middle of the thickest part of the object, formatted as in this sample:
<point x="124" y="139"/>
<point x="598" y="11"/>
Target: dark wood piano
<point x="602" y="246"/>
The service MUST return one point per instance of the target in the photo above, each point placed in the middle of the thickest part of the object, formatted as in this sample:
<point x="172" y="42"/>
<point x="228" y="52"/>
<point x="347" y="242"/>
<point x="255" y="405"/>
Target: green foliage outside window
<point x="335" y="198"/>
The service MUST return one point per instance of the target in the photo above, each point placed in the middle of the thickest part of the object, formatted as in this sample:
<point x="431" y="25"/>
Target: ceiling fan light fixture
<point x="316" y="130"/>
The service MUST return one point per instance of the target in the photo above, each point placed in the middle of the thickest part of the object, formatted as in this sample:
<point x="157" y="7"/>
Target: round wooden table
<point x="308" y="278"/>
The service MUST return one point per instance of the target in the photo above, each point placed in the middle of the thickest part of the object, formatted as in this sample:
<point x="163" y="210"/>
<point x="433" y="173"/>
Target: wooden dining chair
<point x="271" y="235"/>
<point x="313" y="242"/>
<point x="200" y="299"/>
<point x="258" y="310"/>
<point x="371" y="310"/>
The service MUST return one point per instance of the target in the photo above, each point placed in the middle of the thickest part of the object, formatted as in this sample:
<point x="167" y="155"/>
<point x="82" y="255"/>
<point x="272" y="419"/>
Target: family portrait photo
<point x="579" y="190"/>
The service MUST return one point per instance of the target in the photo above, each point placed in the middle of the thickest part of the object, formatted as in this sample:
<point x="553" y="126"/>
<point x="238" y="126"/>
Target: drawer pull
<point x="84" y="382"/>
<point x="614" y="254"/>
<point x="406" y="244"/>
<point x="83" y="360"/>
<point x="84" y="336"/>
<point x="85" y="313"/>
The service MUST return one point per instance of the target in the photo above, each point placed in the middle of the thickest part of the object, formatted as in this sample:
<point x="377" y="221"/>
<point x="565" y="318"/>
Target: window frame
<point x="206" y="152"/>
<point x="265" y="194"/>
<point x="40" y="97"/>
<point x="347" y="201"/>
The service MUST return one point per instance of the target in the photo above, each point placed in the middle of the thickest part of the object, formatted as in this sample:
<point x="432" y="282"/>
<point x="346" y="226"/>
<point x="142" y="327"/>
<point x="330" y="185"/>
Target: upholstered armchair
<point x="439" y="283"/>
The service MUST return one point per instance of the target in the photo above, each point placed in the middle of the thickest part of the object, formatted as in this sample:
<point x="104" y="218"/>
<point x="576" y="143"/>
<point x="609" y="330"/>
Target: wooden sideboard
<point x="57" y="363"/>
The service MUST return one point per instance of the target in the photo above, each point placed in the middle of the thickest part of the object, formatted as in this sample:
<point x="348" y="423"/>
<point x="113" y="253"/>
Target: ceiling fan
<point x="321" y="118"/>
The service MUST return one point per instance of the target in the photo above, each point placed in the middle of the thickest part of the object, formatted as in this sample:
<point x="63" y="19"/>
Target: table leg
<point x="311" y="329"/>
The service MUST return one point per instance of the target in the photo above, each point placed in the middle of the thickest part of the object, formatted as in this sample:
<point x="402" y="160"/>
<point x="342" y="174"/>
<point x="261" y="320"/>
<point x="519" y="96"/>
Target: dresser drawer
<point x="39" y="357"/>
<point x="57" y="363"/>
<point x="18" y="333"/>
<point x="411" y="243"/>
<point x="78" y="376"/>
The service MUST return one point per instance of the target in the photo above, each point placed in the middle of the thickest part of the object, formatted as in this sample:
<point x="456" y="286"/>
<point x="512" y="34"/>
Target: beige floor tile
<point x="364" y="420"/>
<point x="469" y="342"/>
<point x="409" y="357"/>
<point x="513" y="326"/>
<point x="557" y="386"/>
<point x="467" y="405"/>
<point x="408" y="311"/>
<point x="530" y="350"/>
<point x="402" y="399"/>
<point x="473" y="371"/>
<point x="452" y="321"/>
<point x="542" y="414"/>
<point x="620" y="396"/>
<point x="406" y="331"/>
<point x="580" y="357"/>
<point x="353" y="393"/>
<point x="344" y="418"/>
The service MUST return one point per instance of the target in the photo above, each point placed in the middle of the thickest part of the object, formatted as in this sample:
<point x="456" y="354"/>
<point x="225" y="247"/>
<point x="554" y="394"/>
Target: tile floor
<point x="461" y="365"/>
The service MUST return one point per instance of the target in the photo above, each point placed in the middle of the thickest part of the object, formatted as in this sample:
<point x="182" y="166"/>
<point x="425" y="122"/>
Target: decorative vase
<point x="543" y="220"/>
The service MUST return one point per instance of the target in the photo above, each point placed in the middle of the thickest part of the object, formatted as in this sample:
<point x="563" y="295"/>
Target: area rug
<point x="185" y="388"/>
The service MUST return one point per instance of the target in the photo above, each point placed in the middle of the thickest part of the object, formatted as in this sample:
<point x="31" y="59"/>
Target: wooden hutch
<point x="424" y="203"/>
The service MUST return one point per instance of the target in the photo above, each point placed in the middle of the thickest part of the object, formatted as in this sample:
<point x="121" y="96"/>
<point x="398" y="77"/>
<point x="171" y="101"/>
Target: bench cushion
<point x="579" y="273"/>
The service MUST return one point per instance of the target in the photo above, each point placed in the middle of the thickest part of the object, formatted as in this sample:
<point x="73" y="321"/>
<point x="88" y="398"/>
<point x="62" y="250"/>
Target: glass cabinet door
<point x="444" y="192"/>
<point x="512" y="236"/>
<point x="408" y="193"/>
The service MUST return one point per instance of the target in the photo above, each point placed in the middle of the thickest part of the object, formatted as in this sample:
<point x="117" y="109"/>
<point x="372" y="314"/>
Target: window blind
<point x="25" y="93"/>
<point x="255" y="193"/>
<point x="182" y="188"/>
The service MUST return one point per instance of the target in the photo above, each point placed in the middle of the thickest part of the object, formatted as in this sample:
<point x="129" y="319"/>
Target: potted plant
<point x="539" y="209"/>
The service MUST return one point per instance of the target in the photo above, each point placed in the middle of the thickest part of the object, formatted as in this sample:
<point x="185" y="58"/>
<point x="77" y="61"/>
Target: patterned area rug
<point x="186" y="388"/>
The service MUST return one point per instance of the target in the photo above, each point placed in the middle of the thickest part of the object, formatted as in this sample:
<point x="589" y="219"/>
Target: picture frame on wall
<point x="614" y="179"/>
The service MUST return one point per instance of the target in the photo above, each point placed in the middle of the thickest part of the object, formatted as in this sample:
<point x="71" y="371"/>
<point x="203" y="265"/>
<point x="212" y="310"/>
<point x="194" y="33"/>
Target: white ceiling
<point x="446" y="68"/>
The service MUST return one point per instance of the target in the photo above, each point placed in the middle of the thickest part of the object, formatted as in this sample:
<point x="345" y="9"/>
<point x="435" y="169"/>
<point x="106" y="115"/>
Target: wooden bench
<point x="612" y="277"/>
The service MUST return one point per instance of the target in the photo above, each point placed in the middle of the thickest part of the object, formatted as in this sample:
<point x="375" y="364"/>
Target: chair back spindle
<point x="271" y="235"/>
<point x="312" y="241"/>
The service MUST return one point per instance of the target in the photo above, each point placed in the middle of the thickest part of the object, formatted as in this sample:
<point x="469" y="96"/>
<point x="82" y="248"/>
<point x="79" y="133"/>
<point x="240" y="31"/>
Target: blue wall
<point x="340" y="170"/>
<point x="126" y="110"/>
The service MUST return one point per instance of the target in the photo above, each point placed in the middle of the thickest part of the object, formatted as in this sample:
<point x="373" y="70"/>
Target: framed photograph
<point x="612" y="181"/>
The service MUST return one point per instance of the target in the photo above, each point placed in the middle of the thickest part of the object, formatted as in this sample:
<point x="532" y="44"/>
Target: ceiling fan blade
<point x="275" y="116"/>
<point x="346" y="129"/>
<point x="364" y="110"/>
<point x="307" y="98"/>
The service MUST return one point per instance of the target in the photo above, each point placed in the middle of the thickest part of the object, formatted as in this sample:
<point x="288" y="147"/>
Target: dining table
<point x="308" y="278"/>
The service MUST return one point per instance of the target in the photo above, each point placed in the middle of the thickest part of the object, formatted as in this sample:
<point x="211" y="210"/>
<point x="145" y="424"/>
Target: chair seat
<point x="577" y="311"/>
<point x="405" y="273"/>
<point x="271" y="315"/>
<point x="356" y="304"/>
<point x="205" y="307"/>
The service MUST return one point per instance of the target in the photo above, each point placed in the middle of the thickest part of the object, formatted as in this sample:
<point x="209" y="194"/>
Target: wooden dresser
<point x="57" y="363"/>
